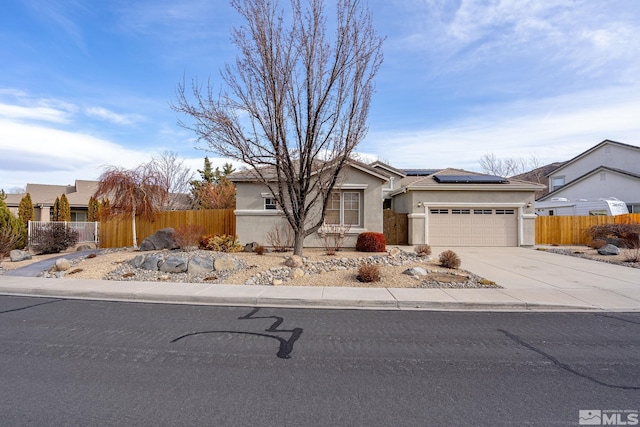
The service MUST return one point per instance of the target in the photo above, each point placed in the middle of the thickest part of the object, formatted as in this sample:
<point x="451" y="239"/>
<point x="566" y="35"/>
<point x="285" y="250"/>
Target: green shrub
<point x="371" y="242"/>
<point x="220" y="243"/>
<point x="368" y="273"/>
<point x="449" y="259"/>
<point x="53" y="238"/>
<point x="423" y="250"/>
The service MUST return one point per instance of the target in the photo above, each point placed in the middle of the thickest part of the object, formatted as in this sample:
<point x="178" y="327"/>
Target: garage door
<point x="472" y="227"/>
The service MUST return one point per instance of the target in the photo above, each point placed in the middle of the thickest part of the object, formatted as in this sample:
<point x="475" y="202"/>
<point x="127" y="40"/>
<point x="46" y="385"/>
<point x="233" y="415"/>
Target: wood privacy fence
<point x="116" y="233"/>
<point x="571" y="230"/>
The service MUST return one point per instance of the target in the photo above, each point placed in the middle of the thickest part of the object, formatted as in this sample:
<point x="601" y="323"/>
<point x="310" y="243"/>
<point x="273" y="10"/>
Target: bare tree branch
<point x="296" y="101"/>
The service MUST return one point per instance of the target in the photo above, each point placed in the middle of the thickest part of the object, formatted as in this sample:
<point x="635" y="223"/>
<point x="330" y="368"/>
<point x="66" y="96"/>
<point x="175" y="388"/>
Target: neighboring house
<point x="609" y="169"/>
<point x="447" y="207"/>
<point x="43" y="197"/>
<point x="539" y="175"/>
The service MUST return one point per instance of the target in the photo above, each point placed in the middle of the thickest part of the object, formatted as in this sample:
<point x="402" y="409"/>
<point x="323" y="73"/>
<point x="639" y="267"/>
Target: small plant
<point x="423" y="250"/>
<point x="449" y="259"/>
<point x="597" y="244"/>
<point x="487" y="282"/>
<point x="259" y="249"/>
<point x="368" y="273"/>
<point x="371" y="242"/>
<point x="280" y="237"/>
<point x="333" y="236"/>
<point x="54" y="238"/>
<point x="220" y="243"/>
<point x="188" y="236"/>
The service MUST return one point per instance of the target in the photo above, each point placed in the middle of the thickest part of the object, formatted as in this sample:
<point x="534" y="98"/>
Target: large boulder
<point x="200" y="265"/>
<point x="18" y="255"/>
<point x="609" y="250"/>
<point x="226" y="263"/>
<point x="151" y="263"/>
<point x="173" y="264"/>
<point x="294" y="261"/>
<point x="161" y="239"/>
<point x="138" y="261"/>
<point x="62" y="264"/>
<point x="415" y="271"/>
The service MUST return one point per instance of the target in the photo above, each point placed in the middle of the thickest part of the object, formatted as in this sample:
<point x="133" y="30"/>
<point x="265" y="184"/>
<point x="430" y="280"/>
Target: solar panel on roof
<point x="419" y="172"/>
<point x="470" y="179"/>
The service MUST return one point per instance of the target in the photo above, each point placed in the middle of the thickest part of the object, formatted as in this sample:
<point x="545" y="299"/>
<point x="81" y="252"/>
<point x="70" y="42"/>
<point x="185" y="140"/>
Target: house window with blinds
<point x="343" y="208"/>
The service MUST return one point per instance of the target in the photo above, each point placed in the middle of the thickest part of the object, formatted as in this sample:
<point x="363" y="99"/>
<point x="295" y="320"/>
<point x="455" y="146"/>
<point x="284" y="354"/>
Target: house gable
<point x="608" y="153"/>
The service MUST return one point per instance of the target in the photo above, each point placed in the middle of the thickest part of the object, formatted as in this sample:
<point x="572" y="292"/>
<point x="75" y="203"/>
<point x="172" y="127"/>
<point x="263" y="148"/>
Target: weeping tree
<point x="131" y="193"/>
<point x="294" y="105"/>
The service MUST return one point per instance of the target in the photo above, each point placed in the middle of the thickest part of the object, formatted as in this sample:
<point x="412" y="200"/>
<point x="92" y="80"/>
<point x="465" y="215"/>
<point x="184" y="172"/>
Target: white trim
<point x="351" y="187"/>
<point x="257" y="212"/>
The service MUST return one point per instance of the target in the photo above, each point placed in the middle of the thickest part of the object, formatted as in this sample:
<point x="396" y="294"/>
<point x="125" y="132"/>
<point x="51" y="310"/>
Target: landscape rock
<point x="62" y="264"/>
<point x="19" y="255"/>
<point x="161" y="239"/>
<point x="225" y="263"/>
<point x="297" y="273"/>
<point x="294" y="261"/>
<point x="250" y="247"/>
<point x="173" y="264"/>
<point x="138" y="261"/>
<point x="609" y="250"/>
<point x="151" y="263"/>
<point x="416" y="271"/>
<point x="394" y="252"/>
<point x="200" y="265"/>
<point x="82" y="248"/>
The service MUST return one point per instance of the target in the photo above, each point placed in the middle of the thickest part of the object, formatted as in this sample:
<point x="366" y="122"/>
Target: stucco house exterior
<point x="43" y="197"/>
<point x="448" y="207"/>
<point x="608" y="169"/>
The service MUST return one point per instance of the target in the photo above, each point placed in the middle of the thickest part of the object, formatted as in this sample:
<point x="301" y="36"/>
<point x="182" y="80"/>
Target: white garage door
<point x="472" y="227"/>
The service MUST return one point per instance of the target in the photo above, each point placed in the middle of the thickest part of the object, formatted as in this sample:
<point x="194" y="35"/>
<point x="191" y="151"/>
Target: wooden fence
<point x="570" y="230"/>
<point x="116" y="233"/>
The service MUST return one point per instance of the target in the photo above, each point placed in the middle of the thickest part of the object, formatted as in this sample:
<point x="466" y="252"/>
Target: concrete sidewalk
<point x="531" y="280"/>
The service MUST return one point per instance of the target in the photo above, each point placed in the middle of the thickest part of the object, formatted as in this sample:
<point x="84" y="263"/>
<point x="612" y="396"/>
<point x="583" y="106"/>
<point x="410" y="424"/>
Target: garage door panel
<point x="473" y="227"/>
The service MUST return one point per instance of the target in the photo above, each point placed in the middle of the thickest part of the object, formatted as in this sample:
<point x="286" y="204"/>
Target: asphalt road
<point x="65" y="362"/>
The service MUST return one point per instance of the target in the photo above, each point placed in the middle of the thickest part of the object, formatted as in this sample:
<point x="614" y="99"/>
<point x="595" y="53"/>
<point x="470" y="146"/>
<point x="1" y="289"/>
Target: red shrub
<point x="371" y="242"/>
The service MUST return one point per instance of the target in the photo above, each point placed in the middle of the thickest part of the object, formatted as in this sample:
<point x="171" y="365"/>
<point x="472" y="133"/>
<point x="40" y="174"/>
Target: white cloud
<point x="553" y="129"/>
<point x="34" y="113"/>
<point x="105" y="114"/>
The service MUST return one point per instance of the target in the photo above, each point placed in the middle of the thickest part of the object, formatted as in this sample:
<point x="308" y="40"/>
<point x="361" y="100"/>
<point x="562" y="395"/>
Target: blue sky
<point x="86" y="84"/>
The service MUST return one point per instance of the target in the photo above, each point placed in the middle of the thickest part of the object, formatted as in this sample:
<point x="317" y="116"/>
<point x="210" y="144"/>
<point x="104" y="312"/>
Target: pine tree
<point x="55" y="214"/>
<point x="12" y="232"/>
<point x="26" y="212"/>
<point x="64" y="213"/>
<point x="93" y="209"/>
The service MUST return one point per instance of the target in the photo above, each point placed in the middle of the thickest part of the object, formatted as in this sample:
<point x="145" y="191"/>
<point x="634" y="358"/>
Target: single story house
<point x="43" y="197"/>
<point x="448" y="207"/>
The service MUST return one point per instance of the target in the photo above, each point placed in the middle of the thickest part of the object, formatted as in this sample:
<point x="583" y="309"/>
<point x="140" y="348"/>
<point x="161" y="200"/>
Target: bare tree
<point x="508" y="166"/>
<point x="176" y="178"/>
<point x="131" y="193"/>
<point x="296" y="103"/>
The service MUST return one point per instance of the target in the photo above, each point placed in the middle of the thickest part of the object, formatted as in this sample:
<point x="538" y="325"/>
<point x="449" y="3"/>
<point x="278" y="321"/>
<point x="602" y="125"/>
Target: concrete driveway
<point x="539" y="276"/>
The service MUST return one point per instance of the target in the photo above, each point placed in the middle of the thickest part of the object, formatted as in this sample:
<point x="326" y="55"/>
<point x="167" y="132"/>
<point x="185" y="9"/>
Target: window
<point x="270" y="204"/>
<point x="343" y="208"/>
<point x="505" y="211"/>
<point x="557" y="182"/>
<point x="438" y="211"/>
<point x="482" y="211"/>
<point x="461" y="211"/>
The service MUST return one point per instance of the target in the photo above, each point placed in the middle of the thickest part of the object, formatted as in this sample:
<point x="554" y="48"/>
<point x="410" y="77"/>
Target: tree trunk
<point x="298" y="242"/>
<point x="133" y="228"/>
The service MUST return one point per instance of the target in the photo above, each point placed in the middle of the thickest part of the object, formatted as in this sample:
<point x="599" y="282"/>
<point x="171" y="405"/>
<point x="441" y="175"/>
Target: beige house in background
<point x="448" y="207"/>
<point x="43" y="197"/>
